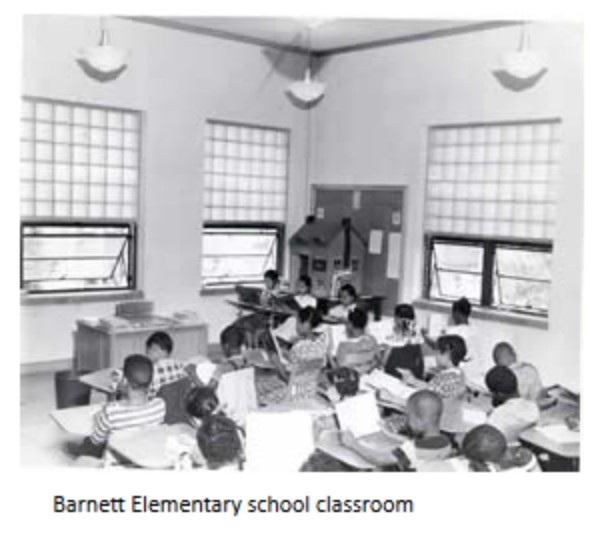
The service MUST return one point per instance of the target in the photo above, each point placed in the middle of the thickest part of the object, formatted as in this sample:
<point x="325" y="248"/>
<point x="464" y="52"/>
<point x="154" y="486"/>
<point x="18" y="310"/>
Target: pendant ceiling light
<point x="103" y="61"/>
<point x="307" y="91"/>
<point x="523" y="68"/>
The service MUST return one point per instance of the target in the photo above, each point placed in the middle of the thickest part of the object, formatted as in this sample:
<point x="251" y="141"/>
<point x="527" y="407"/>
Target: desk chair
<point x="408" y="356"/>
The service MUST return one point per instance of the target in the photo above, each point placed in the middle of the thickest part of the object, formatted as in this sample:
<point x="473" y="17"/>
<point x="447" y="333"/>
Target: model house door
<point x="377" y="214"/>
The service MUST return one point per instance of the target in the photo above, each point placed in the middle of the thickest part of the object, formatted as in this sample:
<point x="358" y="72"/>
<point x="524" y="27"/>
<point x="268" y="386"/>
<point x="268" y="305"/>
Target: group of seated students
<point x="433" y="414"/>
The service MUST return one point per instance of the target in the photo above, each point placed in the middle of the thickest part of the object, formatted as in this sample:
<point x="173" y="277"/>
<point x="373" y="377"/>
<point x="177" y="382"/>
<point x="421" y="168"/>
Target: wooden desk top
<point x="150" y="447"/>
<point x="76" y="420"/>
<point x="554" y="416"/>
<point x="101" y="380"/>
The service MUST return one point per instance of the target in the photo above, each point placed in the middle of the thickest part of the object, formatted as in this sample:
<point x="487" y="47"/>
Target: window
<point x="79" y="196"/>
<point x="510" y="276"/>
<point x="245" y="202"/>
<point x="490" y="212"/>
<point x="239" y="254"/>
<point x="74" y="258"/>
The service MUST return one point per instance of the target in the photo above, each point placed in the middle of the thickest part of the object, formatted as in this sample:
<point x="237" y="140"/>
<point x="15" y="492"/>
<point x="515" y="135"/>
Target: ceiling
<point x="327" y="36"/>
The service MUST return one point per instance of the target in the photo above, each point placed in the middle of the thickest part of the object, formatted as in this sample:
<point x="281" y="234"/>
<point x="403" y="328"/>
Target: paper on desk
<point x="358" y="414"/>
<point x="237" y="393"/>
<point x="379" y="380"/>
<point x="205" y="369"/>
<point x="559" y="433"/>
<point x="278" y="441"/>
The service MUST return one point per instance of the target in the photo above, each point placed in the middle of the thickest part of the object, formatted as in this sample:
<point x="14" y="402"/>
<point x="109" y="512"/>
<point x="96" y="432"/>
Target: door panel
<point x="378" y="209"/>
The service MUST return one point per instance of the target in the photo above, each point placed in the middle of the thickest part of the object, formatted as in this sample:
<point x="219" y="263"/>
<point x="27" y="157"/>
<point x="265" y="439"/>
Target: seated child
<point x="360" y="350"/>
<point x="348" y="298"/>
<point x="423" y="415"/>
<point x="134" y="410"/>
<point x="528" y="380"/>
<point x="309" y="344"/>
<point x="449" y="383"/>
<point x="243" y="330"/>
<point x="220" y="443"/>
<point x="201" y="402"/>
<point x="403" y="349"/>
<point x="512" y="414"/>
<point x="158" y="348"/>
<point x="303" y="295"/>
<point x="485" y="448"/>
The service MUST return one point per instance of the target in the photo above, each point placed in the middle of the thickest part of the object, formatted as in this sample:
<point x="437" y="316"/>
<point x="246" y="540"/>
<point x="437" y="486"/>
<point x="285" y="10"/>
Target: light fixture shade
<point x="307" y="90"/>
<point x="523" y="64"/>
<point x="104" y="58"/>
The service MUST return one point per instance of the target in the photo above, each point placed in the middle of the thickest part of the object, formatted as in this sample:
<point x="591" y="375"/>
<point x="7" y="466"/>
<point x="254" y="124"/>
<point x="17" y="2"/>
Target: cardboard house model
<point x="331" y="252"/>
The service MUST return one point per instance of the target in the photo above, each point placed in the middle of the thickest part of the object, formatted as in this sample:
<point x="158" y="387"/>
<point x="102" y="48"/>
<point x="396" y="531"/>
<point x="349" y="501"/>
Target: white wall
<point x="178" y="80"/>
<point x="371" y="129"/>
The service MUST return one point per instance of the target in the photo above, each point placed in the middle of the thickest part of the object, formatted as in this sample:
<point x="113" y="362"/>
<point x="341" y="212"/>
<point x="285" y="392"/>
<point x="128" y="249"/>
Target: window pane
<point x="522" y="279"/>
<point x="456" y="271"/>
<point x="238" y="255"/>
<point x="59" y="258"/>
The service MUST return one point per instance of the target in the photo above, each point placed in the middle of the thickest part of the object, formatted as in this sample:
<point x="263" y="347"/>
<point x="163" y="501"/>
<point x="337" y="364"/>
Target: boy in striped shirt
<point x="134" y="410"/>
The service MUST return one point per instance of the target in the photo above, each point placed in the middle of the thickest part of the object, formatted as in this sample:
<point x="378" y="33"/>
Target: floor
<point x="41" y="439"/>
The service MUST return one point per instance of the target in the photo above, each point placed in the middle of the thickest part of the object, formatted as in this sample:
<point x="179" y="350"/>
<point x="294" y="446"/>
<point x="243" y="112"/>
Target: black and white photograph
<point x="295" y="244"/>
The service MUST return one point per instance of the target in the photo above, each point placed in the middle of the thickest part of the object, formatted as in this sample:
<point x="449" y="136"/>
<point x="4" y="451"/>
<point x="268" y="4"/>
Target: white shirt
<point x="513" y="417"/>
<point x="341" y="311"/>
<point x="306" y="300"/>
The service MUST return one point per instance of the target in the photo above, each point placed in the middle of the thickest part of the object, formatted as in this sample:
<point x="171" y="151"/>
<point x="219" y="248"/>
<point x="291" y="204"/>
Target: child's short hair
<point x="272" y="275"/>
<point x="309" y="315"/>
<point x="426" y="403"/>
<point x="462" y="306"/>
<point x="306" y="280"/>
<point x="404" y="311"/>
<point x="346" y="381"/>
<point x="138" y="371"/>
<point x="484" y="444"/>
<point x="456" y="347"/>
<point x="348" y="289"/>
<point x="219" y="441"/>
<point x="358" y="318"/>
<point x="201" y="402"/>
<point x="502" y="348"/>
<point x="501" y="381"/>
<point x="162" y="340"/>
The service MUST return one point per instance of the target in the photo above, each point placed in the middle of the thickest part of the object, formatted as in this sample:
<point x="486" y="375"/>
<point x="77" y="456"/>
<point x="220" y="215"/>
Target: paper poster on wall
<point x="375" y="241"/>
<point x="393" y="255"/>
<point x="396" y="218"/>
<point x="320" y="213"/>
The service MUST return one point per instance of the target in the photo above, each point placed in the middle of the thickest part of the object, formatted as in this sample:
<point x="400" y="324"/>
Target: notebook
<point x="359" y="415"/>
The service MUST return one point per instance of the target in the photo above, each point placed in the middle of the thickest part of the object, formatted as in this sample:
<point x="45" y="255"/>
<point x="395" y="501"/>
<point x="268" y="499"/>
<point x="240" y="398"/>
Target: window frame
<point x="280" y="232"/>
<point x="489" y="247"/>
<point x="132" y="237"/>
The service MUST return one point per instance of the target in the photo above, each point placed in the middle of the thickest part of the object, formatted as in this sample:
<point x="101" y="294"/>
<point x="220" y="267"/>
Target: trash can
<point x="69" y="390"/>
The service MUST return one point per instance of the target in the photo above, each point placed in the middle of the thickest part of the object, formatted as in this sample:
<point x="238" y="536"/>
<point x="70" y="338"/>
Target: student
<point x="449" y="383"/>
<point x="460" y="325"/>
<point x="528" y="380"/>
<point x="347" y="298"/>
<point x="512" y="414"/>
<point x="158" y="348"/>
<point x="360" y="350"/>
<point x="485" y="448"/>
<point x="220" y="443"/>
<point x="243" y="331"/>
<point x="303" y="295"/>
<point x="423" y="414"/>
<point x="134" y="410"/>
<point x="201" y="402"/>
<point x="309" y="344"/>
<point x="403" y="346"/>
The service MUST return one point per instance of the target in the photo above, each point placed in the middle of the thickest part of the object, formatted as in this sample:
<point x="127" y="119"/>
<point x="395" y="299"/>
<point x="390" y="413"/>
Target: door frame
<point x="404" y="214"/>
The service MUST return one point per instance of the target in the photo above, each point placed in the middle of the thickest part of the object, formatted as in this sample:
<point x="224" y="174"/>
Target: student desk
<point x="100" y="380"/>
<point x="148" y="447"/>
<point x="566" y="453"/>
<point x="76" y="420"/>
<point x="98" y="347"/>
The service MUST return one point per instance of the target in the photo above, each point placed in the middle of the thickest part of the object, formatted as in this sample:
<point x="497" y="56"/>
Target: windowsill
<point x="214" y="292"/>
<point x="76" y="298"/>
<point x="483" y="313"/>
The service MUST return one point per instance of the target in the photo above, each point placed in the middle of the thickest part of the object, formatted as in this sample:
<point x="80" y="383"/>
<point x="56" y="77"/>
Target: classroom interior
<point x="397" y="95"/>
